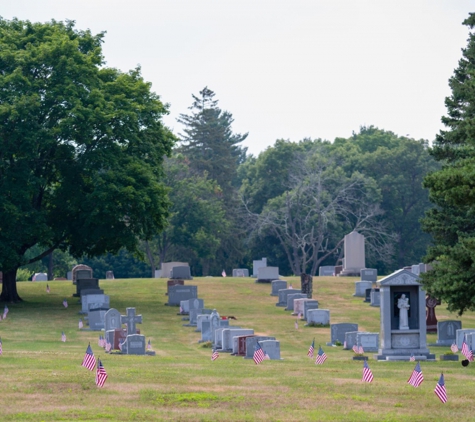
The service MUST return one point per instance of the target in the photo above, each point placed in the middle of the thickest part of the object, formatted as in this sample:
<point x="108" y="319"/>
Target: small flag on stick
<point x="466" y="351"/>
<point x="311" y="349"/>
<point x="258" y="354"/>
<point x="214" y="355"/>
<point x="149" y="345"/>
<point x="412" y="358"/>
<point x="440" y="390"/>
<point x="367" y="374"/>
<point x="108" y="347"/>
<point x="63" y="337"/>
<point x="454" y="348"/>
<point x="223" y="273"/>
<point x="80" y="325"/>
<point x="89" y="360"/>
<point x="47" y="288"/>
<point x="5" y="312"/>
<point x="65" y="303"/>
<point x="321" y="356"/>
<point x="101" y="374"/>
<point x="1" y="346"/>
<point x="296" y="324"/>
<point x="416" y="377"/>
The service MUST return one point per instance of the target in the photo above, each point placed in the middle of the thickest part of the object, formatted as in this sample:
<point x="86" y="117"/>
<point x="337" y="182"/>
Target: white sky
<point x="285" y="69"/>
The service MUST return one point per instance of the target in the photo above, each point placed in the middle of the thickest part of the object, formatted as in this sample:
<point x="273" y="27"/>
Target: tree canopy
<point x="81" y="147"/>
<point x="452" y="190"/>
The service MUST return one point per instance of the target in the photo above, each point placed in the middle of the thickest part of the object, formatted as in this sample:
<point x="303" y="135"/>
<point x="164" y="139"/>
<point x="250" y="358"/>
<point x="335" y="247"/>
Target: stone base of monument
<point x="264" y="280"/>
<point x="449" y="357"/>
<point x="360" y="357"/>
<point x="429" y="357"/>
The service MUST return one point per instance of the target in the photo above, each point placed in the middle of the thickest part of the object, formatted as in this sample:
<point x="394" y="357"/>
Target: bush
<point x="23" y="274"/>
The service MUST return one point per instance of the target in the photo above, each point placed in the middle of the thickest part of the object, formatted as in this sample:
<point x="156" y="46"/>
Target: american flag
<point x="65" y="303"/>
<point x="358" y="349"/>
<point x="99" y="342"/>
<point x="258" y="354"/>
<point x="181" y="310"/>
<point x="299" y="316"/>
<point x="120" y="344"/>
<point x="416" y="377"/>
<point x="214" y="355"/>
<point x="89" y="360"/>
<point x="47" y="288"/>
<point x="466" y="351"/>
<point x="223" y="273"/>
<point x="63" y="337"/>
<point x="355" y="348"/>
<point x="5" y="312"/>
<point x="311" y="349"/>
<point x="454" y="348"/>
<point x="80" y="325"/>
<point x="321" y="357"/>
<point x="266" y="356"/>
<point x="440" y="390"/>
<point x="149" y="345"/>
<point x="108" y="347"/>
<point x="412" y="358"/>
<point x="296" y="324"/>
<point x="101" y="374"/>
<point x="367" y="374"/>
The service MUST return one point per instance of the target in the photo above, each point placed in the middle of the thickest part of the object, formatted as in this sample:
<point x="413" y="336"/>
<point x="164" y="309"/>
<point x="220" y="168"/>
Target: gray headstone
<point x="96" y="319"/>
<point x="185" y="306"/>
<point x="236" y="344"/>
<point x="367" y="296"/>
<point x="360" y="288"/>
<point x="459" y="335"/>
<point x="375" y="297"/>
<point x="350" y="340"/>
<point x="134" y="345"/>
<point x="251" y="344"/>
<point x="194" y="315"/>
<point x="318" y="316"/>
<point x="195" y="304"/>
<point x="181" y="272"/>
<point x="131" y="319"/>
<point x="94" y="302"/>
<point x="86" y="283"/>
<point x="354" y="251"/>
<point x="85" y="292"/>
<point x="256" y="264"/>
<point x="299" y="306"/>
<point x="338" y="331"/>
<point x="447" y="332"/>
<point x="283" y="293"/>
<point x="369" y="341"/>
<point x="369" y="274"/>
<point x="271" y="348"/>
<point x="178" y="293"/>
<point x="326" y="270"/>
<point x="240" y="272"/>
<point x="268" y="273"/>
<point x="291" y="298"/>
<point x="277" y="285"/>
<point x="308" y="305"/>
<point x="112" y="320"/>
<point x="109" y="275"/>
<point x="229" y="333"/>
<point x="199" y="321"/>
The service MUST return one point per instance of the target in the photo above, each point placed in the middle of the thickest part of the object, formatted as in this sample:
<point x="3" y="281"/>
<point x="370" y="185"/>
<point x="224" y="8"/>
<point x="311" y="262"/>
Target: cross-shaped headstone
<point x="130" y="319"/>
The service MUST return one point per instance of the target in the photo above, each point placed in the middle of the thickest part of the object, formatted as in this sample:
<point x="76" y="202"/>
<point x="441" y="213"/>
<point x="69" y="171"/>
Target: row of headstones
<point x="224" y="338"/>
<point x="96" y="305"/>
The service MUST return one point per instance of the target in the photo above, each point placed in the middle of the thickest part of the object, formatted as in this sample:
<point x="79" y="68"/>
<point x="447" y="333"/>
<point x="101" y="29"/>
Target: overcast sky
<point x="289" y="69"/>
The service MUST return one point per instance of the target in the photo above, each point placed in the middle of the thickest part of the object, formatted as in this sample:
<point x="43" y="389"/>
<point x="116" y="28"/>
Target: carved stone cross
<point x="131" y="319"/>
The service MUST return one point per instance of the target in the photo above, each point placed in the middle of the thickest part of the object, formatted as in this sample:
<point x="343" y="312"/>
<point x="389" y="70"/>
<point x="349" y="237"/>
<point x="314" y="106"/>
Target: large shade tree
<point x="81" y="147"/>
<point x="452" y="190"/>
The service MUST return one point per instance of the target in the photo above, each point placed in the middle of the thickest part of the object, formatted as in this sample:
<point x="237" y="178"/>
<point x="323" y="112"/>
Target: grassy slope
<point x="42" y="378"/>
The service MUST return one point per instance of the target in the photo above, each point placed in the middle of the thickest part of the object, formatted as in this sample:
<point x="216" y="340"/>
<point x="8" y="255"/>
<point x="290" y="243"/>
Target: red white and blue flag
<point x="223" y="273"/>
<point x="101" y="374"/>
<point x="65" y="303"/>
<point x="440" y="390"/>
<point x="454" y="348"/>
<point x="89" y="360"/>
<point x="416" y="378"/>
<point x="149" y="345"/>
<point x="466" y="351"/>
<point x="1" y="346"/>
<point x="63" y="337"/>
<point x="311" y="349"/>
<point x="258" y="354"/>
<point x="321" y="357"/>
<point x="367" y="374"/>
<point x="80" y="325"/>
<point x="5" y="312"/>
<point x="412" y="358"/>
<point x="214" y="355"/>
<point x="47" y="288"/>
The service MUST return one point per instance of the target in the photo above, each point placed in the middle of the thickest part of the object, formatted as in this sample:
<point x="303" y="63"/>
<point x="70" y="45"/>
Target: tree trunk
<point x="9" y="291"/>
<point x="50" y="266"/>
<point x="205" y="266"/>
<point x="150" y="258"/>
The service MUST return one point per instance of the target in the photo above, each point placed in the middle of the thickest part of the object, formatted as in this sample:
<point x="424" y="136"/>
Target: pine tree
<point x="452" y="190"/>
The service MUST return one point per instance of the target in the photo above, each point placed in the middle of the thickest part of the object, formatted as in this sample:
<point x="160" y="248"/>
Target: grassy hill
<point x="42" y="377"/>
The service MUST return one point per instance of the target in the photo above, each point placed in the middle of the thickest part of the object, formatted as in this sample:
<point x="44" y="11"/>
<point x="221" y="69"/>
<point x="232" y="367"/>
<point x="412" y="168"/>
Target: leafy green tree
<point x="399" y="165"/>
<point x="452" y="190"/>
<point x="81" y="148"/>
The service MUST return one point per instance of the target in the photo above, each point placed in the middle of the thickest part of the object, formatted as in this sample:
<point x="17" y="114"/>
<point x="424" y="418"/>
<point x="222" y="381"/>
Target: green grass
<point x="42" y="377"/>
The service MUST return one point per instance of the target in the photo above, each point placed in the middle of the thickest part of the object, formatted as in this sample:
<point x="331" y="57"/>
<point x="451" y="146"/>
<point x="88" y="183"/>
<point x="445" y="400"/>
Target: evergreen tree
<point x="452" y="190"/>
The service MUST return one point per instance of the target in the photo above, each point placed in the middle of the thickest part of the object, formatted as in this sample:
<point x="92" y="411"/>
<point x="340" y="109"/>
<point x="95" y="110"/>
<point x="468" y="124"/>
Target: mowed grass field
<point x="42" y="378"/>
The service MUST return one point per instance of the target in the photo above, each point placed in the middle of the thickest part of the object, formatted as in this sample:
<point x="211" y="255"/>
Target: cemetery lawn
<point x="43" y="380"/>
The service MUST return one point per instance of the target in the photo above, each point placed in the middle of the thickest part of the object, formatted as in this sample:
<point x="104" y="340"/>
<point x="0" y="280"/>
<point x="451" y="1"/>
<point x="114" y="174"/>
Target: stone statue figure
<point x="403" y="305"/>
